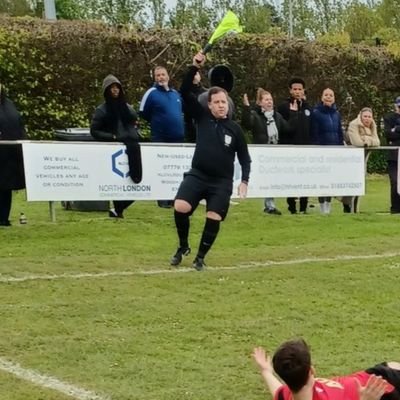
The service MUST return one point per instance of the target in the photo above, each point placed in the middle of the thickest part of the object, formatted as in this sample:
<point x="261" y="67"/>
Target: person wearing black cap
<point x="11" y="162"/>
<point x="116" y="121"/>
<point x="392" y="133"/>
<point x="221" y="76"/>
<point x="219" y="140"/>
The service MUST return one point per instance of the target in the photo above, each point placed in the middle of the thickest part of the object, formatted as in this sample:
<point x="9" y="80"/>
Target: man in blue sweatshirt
<point x="161" y="106"/>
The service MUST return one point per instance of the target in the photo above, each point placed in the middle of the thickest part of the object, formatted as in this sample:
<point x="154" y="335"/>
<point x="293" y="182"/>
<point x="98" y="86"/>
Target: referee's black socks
<point x="210" y="232"/>
<point x="182" y="224"/>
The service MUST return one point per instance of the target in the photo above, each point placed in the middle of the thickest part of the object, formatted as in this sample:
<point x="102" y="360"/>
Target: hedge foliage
<point x="54" y="70"/>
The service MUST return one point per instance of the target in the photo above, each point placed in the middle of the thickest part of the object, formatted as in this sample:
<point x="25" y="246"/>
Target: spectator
<point x="267" y="127"/>
<point x="392" y="133"/>
<point x="115" y="121"/>
<point x="292" y="364"/>
<point x="11" y="162"/>
<point x="326" y="129"/>
<point x="219" y="140"/>
<point x="221" y="76"/>
<point x="362" y="132"/>
<point x="190" y="127"/>
<point x="297" y="108"/>
<point x="161" y="106"/>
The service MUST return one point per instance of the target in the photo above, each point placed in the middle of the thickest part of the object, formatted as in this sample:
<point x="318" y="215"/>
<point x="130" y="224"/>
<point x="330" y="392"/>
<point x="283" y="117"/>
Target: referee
<point x="219" y="140"/>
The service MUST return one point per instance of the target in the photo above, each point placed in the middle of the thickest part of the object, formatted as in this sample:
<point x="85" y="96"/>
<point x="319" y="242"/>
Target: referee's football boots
<point x="177" y="257"/>
<point x="199" y="264"/>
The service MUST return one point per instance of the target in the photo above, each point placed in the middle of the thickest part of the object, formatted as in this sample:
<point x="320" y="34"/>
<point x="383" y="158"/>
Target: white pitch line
<point x="48" y="381"/>
<point x="251" y="265"/>
<point x="49" y="277"/>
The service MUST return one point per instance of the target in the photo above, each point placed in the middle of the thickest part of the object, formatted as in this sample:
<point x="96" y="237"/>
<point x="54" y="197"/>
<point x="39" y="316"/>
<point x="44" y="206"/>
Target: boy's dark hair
<point x="297" y="80"/>
<point x="214" y="90"/>
<point x="292" y="363"/>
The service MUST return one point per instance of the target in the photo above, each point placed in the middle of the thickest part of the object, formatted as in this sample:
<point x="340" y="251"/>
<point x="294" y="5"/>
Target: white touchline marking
<point x="250" y="265"/>
<point x="48" y="381"/>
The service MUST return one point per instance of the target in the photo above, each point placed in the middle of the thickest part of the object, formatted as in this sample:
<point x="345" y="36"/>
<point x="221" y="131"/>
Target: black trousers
<point x="394" y="196"/>
<point x="5" y="205"/>
<point x="291" y="201"/>
<point x="121" y="205"/>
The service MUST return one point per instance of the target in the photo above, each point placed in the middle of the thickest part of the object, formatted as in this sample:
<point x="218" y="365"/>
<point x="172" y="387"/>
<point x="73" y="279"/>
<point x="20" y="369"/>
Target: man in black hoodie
<point x="11" y="162"/>
<point x="219" y="140"/>
<point x="115" y="121"/>
<point x="298" y="111"/>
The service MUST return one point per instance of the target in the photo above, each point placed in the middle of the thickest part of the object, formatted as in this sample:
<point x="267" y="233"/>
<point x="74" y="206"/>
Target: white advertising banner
<point x="284" y="171"/>
<point x="62" y="171"/>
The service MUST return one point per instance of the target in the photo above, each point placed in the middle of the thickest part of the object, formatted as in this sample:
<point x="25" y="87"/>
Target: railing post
<point x="52" y="209"/>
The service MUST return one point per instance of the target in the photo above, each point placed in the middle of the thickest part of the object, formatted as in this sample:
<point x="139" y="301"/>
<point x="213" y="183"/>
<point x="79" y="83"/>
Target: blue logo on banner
<point x="119" y="164"/>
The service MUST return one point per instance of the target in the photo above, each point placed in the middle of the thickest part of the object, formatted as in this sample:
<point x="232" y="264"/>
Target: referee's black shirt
<point x="218" y="140"/>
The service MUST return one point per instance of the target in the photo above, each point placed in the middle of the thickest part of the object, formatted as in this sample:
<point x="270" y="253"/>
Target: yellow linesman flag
<point x="229" y="24"/>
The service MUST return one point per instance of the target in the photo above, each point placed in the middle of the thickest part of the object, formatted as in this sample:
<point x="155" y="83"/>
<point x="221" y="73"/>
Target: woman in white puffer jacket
<point x="362" y="131"/>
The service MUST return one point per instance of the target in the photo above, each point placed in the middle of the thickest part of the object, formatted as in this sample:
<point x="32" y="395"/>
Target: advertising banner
<point x="60" y="171"/>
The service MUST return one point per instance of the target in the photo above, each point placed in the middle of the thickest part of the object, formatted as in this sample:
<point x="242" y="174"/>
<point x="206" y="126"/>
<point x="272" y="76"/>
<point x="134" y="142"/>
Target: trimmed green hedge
<point x="54" y="70"/>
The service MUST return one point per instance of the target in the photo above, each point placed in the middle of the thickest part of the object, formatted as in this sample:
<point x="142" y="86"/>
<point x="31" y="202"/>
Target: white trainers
<point x="327" y="207"/>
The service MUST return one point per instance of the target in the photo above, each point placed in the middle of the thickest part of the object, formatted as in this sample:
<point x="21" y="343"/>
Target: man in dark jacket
<point x="297" y="109"/>
<point x="220" y="76"/>
<point x="392" y="133"/>
<point x="115" y="121"/>
<point x="11" y="162"/>
<point x="219" y="140"/>
<point x="190" y="126"/>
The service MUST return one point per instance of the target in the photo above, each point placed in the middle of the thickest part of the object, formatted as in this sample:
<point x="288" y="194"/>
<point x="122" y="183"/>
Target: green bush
<point x="377" y="163"/>
<point x="54" y="70"/>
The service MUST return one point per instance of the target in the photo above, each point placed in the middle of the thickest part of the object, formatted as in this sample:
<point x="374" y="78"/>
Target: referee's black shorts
<point x="216" y="192"/>
<point x="390" y="375"/>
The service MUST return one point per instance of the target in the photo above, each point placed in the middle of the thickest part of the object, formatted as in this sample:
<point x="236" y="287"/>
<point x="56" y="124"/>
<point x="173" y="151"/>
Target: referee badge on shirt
<point x="228" y="140"/>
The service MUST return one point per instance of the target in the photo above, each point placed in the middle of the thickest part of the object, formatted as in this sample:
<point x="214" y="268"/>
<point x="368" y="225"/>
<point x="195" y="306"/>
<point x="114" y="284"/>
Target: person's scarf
<point x="272" y="130"/>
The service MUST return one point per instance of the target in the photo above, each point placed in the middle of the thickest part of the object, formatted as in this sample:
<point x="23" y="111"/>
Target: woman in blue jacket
<point x="326" y="130"/>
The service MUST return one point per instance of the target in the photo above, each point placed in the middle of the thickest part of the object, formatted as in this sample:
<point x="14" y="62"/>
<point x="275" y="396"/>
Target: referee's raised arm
<point x="193" y="106"/>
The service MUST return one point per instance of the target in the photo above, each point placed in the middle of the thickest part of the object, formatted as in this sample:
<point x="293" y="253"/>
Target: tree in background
<point x="121" y="11"/>
<point x="257" y="16"/>
<point x="304" y="24"/>
<point x="362" y="22"/>
<point x="67" y="9"/>
<point x="157" y="13"/>
<point x="312" y="18"/>
<point x="356" y="20"/>
<point x="16" y="7"/>
<point x="191" y="14"/>
<point x="389" y="11"/>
